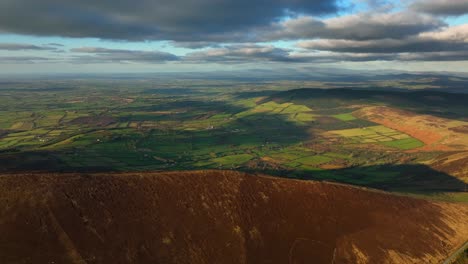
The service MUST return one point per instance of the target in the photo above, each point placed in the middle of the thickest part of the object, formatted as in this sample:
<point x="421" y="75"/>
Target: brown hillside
<point x="217" y="217"/>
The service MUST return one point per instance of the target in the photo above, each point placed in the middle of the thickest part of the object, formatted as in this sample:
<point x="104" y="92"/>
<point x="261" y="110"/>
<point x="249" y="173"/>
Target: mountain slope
<point x="217" y="217"/>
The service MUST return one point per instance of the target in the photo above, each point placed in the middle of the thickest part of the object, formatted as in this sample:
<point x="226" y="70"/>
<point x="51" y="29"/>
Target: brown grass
<point x="454" y="164"/>
<point x="217" y="217"/>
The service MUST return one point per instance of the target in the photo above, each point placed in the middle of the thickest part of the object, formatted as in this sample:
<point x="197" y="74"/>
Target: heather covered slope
<point x="217" y="217"/>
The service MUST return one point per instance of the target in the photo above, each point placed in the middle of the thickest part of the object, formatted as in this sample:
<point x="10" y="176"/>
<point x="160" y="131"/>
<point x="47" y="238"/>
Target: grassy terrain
<point x="405" y="143"/>
<point x="345" y="117"/>
<point x="380" y="134"/>
<point x="179" y="125"/>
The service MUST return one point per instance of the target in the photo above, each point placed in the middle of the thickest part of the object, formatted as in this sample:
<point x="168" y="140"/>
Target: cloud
<point x="447" y="44"/>
<point x="195" y="44"/>
<point x="260" y="54"/>
<point x="441" y="7"/>
<point x="383" y="45"/>
<point x="19" y="46"/>
<point x="236" y="32"/>
<point x="180" y="20"/>
<point x="455" y="33"/>
<point x="241" y="54"/>
<point x="366" y="57"/>
<point x="363" y="26"/>
<point x="55" y="44"/>
<point x="25" y="59"/>
<point x="435" y="56"/>
<point x="104" y="55"/>
<point x="333" y="57"/>
<point x="449" y="39"/>
<point x="443" y="45"/>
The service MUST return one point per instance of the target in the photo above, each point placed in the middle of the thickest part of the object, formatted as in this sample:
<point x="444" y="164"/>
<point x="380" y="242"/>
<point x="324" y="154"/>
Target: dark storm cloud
<point x="181" y="20"/>
<point x="363" y="26"/>
<point x="104" y="55"/>
<point x="442" y="7"/>
<point x="19" y="46"/>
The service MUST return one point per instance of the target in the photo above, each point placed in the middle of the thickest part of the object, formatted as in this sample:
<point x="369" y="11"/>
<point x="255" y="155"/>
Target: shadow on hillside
<point x="441" y="104"/>
<point x="401" y="177"/>
<point x="254" y="94"/>
<point x="179" y="109"/>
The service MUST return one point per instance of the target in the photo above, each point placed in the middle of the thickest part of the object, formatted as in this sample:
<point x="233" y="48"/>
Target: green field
<point x="345" y="117"/>
<point x="406" y="143"/>
<point x="381" y="135"/>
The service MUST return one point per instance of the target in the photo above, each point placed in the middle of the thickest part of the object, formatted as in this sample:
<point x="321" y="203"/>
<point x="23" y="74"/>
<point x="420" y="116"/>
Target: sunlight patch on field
<point x="382" y="135"/>
<point x="291" y="112"/>
<point x="345" y="117"/>
<point x="368" y="132"/>
<point x="407" y="143"/>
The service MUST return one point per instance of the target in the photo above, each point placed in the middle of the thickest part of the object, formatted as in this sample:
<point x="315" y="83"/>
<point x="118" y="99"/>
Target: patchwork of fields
<point x="88" y="129"/>
<point x="380" y="134"/>
<point x="437" y="133"/>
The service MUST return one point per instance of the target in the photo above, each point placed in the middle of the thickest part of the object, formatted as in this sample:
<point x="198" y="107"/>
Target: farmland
<point x="391" y="140"/>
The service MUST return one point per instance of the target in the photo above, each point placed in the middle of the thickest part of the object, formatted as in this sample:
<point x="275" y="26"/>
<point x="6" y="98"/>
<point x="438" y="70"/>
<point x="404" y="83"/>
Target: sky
<point x="112" y="36"/>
